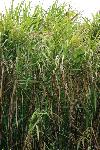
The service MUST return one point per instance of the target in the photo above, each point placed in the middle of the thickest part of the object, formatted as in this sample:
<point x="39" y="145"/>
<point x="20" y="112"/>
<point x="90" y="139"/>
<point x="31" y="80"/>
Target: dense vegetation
<point x="49" y="79"/>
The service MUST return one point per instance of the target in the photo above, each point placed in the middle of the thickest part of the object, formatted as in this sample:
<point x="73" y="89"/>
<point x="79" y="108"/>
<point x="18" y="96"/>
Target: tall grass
<point x="49" y="79"/>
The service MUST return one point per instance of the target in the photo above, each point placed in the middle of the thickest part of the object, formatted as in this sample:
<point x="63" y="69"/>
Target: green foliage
<point x="50" y="69"/>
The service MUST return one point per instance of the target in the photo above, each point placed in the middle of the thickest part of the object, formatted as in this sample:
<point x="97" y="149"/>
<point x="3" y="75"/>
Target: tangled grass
<point x="49" y="79"/>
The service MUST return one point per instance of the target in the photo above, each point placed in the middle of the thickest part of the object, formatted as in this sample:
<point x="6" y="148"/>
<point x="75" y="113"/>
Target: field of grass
<point x="49" y="79"/>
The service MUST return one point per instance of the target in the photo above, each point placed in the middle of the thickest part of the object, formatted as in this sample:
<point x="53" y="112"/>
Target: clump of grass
<point x="49" y="73"/>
